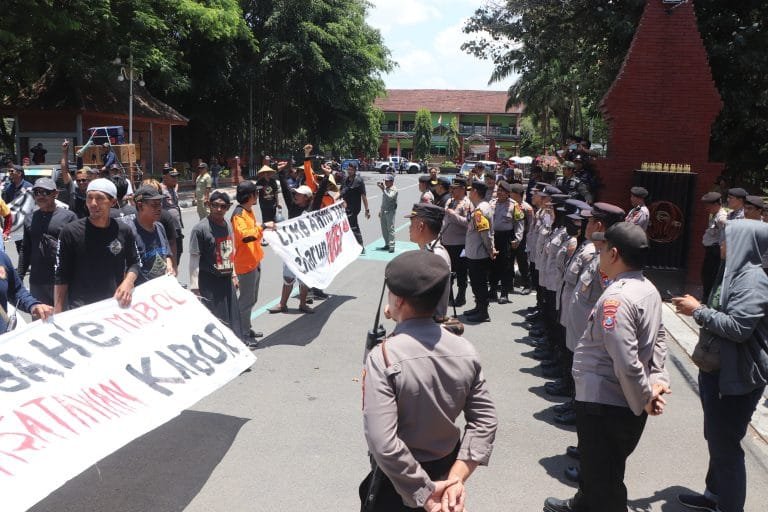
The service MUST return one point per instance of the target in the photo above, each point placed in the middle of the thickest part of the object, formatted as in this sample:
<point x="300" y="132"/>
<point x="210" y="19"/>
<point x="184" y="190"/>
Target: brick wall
<point x="661" y="108"/>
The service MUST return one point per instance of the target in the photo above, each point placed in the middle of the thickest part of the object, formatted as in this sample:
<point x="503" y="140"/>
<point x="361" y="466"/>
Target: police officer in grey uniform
<point x="387" y="213"/>
<point x="619" y="373"/>
<point x="508" y="226"/>
<point x="639" y="213"/>
<point x="479" y="250"/>
<point x="711" y="240"/>
<point x="415" y="385"/>
<point x="454" y="234"/>
<point x="736" y="197"/>
<point x="424" y="230"/>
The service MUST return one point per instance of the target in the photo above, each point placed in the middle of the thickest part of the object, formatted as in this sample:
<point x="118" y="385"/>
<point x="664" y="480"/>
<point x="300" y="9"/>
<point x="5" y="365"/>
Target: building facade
<point x="487" y="129"/>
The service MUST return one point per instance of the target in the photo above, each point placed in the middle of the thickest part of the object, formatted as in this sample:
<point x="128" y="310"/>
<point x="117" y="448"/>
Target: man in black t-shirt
<point x="154" y="248"/>
<point x="97" y="256"/>
<point x="41" y="233"/>
<point x="353" y="193"/>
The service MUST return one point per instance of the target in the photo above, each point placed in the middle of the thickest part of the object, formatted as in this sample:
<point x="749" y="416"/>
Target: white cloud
<point x="389" y="15"/>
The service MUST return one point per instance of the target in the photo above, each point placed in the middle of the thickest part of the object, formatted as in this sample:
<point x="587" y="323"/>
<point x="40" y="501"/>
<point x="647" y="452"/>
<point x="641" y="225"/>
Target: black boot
<point x="461" y="297"/>
<point x="493" y="295"/>
<point x="481" y="315"/>
<point x="503" y="298"/>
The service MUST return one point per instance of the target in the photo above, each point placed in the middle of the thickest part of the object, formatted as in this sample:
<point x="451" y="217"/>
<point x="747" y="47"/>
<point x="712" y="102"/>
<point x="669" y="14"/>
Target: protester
<point x="211" y="267"/>
<point x="735" y="319"/>
<point x="41" y="234"/>
<point x="151" y="238"/>
<point x="248" y="255"/>
<point x="411" y="399"/>
<point x="38" y="153"/>
<point x="387" y="213"/>
<point x="12" y="291"/>
<point x="215" y="170"/>
<point x="109" y="158"/>
<point x="122" y="210"/>
<point x="97" y="257"/>
<point x="354" y="196"/>
<point x="170" y="190"/>
<point x="203" y="183"/>
<point x="269" y="190"/>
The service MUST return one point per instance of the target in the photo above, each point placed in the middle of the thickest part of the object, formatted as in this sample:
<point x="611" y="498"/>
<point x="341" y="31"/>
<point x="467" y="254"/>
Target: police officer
<point x="479" y="249"/>
<point x="639" y="213"/>
<point x="441" y="191"/>
<point x="736" y="198"/>
<point x="454" y="234"/>
<point x="520" y="252"/>
<point x="569" y="182"/>
<point x="387" y="213"/>
<point x="424" y="230"/>
<point x="415" y="385"/>
<point x="425" y="191"/>
<point x="711" y="240"/>
<point x="508" y="226"/>
<point x="622" y="336"/>
<point x="753" y="207"/>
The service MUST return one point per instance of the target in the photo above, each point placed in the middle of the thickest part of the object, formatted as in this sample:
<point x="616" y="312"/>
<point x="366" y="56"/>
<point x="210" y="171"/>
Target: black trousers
<point x="458" y="264"/>
<point x="387" y="500"/>
<point x="709" y="269"/>
<point x="502" y="269"/>
<point x="521" y="258"/>
<point x="535" y="285"/>
<point x="607" y="436"/>
<point x="220" y="298"/>
<point x="268" y="211"/>
<point x="355" y="226"/>
<point x="478" y="278"/>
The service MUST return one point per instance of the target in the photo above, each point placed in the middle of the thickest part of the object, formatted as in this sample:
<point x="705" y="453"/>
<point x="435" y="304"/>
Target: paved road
<point x="288" y="434"/>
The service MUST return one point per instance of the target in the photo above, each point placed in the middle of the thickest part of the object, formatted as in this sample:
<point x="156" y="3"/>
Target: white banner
<point x="315" y="246"/>
<point x="77" y="388"/>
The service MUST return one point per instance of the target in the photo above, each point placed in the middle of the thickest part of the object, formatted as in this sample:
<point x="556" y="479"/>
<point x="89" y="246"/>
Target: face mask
<point x="572" y="229"/>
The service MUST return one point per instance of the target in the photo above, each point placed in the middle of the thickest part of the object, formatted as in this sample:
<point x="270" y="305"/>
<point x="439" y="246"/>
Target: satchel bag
<point x="706" y="353"/>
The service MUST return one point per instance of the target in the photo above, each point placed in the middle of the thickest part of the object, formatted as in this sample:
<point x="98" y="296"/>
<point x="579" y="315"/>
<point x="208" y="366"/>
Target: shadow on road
<point x="540" y="391"/>
<point x="548" y="415"/>
<point x="667" y="497"/>
<point x="161" y="471"/>
<point x="305" y="328"/>
<point x="555" y="467"/>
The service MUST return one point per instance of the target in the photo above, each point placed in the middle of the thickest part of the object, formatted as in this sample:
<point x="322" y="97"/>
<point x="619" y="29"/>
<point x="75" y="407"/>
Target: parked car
<point x="345" y="163"/>
<point x="468" y="165"/>
<point x="397" y="164"/>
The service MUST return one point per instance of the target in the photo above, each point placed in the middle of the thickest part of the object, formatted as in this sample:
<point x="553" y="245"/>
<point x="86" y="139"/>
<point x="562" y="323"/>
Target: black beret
<point x="628" y="238"/>
<point x="559" y="198"/>
<point x="738" y="192"/>
<point x="711" y="197"/>
<point x="425" y="178"/>
<point x="583" y="210"/>
<point x="505" y="186"/>
<point x="639" y="192"/>
<point x="416" y="273"/>
<point x="445" y="181"/>
<point x="459" y="181"/>
<point x="517" y="188"/>
<point x="603" y="210"/>
<point x="481" y="187"/>
<point x="756" y="201"/>
<point x="427" y="211"/>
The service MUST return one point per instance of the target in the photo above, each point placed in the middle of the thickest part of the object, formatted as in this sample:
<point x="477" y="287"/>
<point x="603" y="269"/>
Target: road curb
<point x="686" y="335"/>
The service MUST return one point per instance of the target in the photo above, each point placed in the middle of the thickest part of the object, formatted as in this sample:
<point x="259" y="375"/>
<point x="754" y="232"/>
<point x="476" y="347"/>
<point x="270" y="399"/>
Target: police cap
<point x="559" y="198"/>
<point x="505" y="186"/>
<point x="756" y="201"/>
<point x="582" y="209"/>
<point x="427" y="211"/>
<point x="628" y="238"/>
<point x="738" y="192"/>
<point x="711" y="197"/>
<point x="459" y="181"/>
<point x="639" y="192"/>
<point x="416" y="273"/>
<point x="480" y="186"/>
<point x="425" y="178"/>
<point x="606" y="211"/>
<point x="444" y="181"/>
<point x="517" y="188"/>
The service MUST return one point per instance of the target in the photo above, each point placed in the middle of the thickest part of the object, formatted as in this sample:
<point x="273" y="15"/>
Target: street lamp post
<point x="129" y="75"/>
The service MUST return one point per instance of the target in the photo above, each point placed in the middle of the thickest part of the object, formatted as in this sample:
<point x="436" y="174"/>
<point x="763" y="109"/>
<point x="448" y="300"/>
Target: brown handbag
<point x="706" y="353"/>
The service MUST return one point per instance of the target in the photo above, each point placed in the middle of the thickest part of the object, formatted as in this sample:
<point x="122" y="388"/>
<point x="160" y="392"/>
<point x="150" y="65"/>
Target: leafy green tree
<point x="422" y="134"/>
<point x="452" y="146"/>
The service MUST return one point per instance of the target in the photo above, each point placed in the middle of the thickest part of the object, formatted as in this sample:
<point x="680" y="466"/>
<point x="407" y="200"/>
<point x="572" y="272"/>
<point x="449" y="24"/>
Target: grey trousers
<point x="388" y="229"/>
<point x="249" y="294"/>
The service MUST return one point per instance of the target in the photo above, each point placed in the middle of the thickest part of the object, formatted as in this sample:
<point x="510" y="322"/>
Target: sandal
<point x="278" y="309"/>
<point x="306" y="309"/>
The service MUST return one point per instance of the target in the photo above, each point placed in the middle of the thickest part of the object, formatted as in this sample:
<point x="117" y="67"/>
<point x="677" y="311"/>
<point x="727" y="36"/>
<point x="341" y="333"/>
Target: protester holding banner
<point x="12" y="290"/>
<point x="248" y="253"/>
<point x="97" y="256"/>
<point x="41" y="235"/>
<point x="151" y="238"/>
<point x="211" y="266"/>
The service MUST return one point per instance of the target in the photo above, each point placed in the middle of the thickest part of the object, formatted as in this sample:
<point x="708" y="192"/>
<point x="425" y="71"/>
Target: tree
<point x="569" y="53"/>
<point x="422" y="134"/>
<point x="452" y="146"/>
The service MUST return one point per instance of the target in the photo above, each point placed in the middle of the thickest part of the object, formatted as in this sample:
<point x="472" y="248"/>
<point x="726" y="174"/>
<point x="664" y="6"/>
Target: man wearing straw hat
<point x="269" y="194"/>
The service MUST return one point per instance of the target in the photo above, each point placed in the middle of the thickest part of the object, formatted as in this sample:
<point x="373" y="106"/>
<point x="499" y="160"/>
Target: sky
<point x="425" y="38"/>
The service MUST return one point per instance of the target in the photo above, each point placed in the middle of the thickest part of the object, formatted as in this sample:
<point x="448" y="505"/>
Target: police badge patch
<point x="115" y="247"/>
<point x="610" y="307"/>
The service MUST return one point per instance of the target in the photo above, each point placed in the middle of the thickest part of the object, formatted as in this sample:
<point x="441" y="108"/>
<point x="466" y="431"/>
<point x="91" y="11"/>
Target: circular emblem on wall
<point x="666" y="223"/>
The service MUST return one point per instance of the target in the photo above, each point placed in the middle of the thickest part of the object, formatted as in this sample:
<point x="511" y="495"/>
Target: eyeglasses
<point x="42" y="192"/>
<point x="82" y="180"/>
<point x="219" y="206"/>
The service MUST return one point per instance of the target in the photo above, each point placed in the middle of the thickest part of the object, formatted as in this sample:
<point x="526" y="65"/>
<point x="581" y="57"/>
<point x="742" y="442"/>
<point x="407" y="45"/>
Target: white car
<point x="468" y="165"/>
<point x="395" y="164"/>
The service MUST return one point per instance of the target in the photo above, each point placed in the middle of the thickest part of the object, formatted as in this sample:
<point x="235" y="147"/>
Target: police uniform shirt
<point x="455" y="226"/>
<point x="621" y="355"/>
<point x="436" y="247"/>
<point x="389" y="200"/>
<point x="736" y="214"/>
<point x="532" y="236"/>
<point x="562" y="257"/>
<point x="410" y="406"/>
<point x="479" y="236"/>
<point x="556" y="241"/>
<point x="581" y="259"/>
<point x="543" y="231"/>
<point x="639" y="215"/>
<point x="715" y="231"/>
<point x="590" y="287"/>
<point x="507" y="216"/>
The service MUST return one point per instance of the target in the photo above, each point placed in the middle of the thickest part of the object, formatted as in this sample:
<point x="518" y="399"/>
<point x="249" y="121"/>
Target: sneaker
<point x="698" y="502"/>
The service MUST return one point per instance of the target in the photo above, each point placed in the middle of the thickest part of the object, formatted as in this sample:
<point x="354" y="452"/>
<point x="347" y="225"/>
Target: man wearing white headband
<point x="97" y="256"/>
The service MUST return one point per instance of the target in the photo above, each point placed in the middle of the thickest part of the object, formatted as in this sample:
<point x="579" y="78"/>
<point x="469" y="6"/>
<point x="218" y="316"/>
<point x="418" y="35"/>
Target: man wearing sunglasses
<point x="41" y="233"/>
